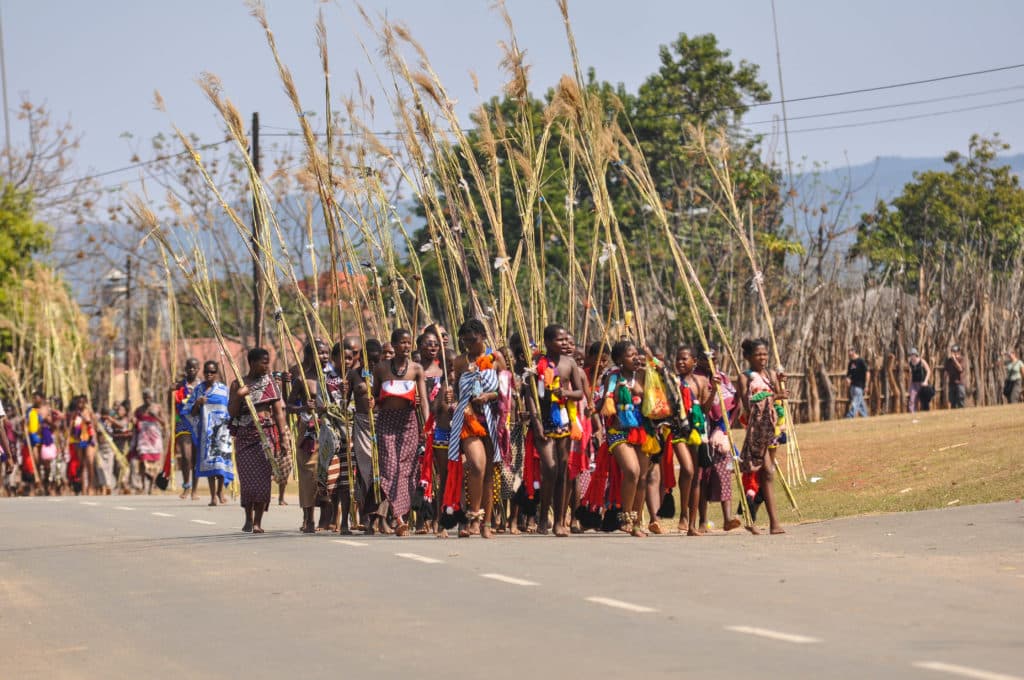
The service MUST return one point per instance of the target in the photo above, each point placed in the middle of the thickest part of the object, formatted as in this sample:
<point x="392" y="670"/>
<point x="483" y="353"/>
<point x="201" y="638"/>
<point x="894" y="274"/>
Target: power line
<point x="827" y="95"/>
<point x="915" y="117"/>
<point x="891" y="86"/>
<point x="140" y="164"/>
<point x="882" y="107"/>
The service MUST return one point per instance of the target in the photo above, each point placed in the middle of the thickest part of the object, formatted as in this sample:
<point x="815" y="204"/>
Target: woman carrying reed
<point x="183" y="420"/>
<point x="428" y="348"/>
<point x="306" y="402"/>
<point x="626" y="431"/>
<point x="259" y="439"/>
<point x="759" y="393"/>
<point x="478" y="426"/>
<point x="402" y="409"/>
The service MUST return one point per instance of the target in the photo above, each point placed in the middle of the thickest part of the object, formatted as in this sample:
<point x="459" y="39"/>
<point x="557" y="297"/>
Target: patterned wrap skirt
<point x="398" y="436"/>
<point x="254" y="468"/>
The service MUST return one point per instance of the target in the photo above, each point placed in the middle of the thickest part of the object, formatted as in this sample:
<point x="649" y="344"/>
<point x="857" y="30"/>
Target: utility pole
<point x="127" y="325"/>
<point x="3" y="86"/>
<point x="257" y="276"/>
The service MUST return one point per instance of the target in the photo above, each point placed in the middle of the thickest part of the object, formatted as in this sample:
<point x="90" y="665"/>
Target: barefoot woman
<point x="401" y="396"/>
<point x="476" y="424"/>
<point x="758" y="392"/>
<point x="254" y="467"/>
<point x="626" y="434"/>
<point x="211" y="442"/>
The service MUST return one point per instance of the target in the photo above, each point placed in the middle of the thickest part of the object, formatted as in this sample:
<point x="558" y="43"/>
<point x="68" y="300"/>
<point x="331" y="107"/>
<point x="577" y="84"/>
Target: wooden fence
<point x="826" y="397"/>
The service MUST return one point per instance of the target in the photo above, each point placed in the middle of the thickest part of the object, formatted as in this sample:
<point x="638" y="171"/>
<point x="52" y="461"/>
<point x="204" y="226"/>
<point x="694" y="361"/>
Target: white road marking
<point x="354" y="544"/>
<point x="963" y="671"/>
<point x="122" y="507"/>
<point x="619" y="604"/>
<point x="201" y="521"/>
<point x="89" y="503"/>
<point x="56" y="500"/>
<point x="161" y="514"/>
<point x="510" y="579"/>
<point x="773" y="634"/>
<point x="418" y="558"/>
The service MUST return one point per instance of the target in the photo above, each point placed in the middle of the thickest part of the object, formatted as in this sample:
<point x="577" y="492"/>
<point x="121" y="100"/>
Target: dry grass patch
<point x="911" y="462"/>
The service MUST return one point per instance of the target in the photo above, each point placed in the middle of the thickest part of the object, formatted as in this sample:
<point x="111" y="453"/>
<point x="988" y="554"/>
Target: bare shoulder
<point x="499" y="361"/>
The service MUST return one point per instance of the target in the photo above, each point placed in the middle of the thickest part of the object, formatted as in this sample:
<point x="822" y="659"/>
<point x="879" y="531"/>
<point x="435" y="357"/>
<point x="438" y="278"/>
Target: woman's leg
<point x="488" y="496"/>
<point x="626" y="457"/>
<point x="247" y="527"/>
<point x="182" y="447"/>
<point x="653" y="493"/>
<point x="213" y="490"/>
<point x="644" y="464"/>
<point x="88" y="474"/>
<point x="693" y="498"/>
<point x="257" y="520"/>
<point x="682" y="454"/>
<point x="767" y="481"/>
<point x="476" y="472"/>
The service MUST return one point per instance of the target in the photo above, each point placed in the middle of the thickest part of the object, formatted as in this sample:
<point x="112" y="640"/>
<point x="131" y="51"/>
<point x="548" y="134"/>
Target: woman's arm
<point x="235" y="398"/>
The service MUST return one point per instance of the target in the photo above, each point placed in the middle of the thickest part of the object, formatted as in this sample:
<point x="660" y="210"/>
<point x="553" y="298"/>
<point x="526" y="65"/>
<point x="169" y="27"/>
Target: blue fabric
<point x="210" y="437"/>
<point x="857" y="405"/>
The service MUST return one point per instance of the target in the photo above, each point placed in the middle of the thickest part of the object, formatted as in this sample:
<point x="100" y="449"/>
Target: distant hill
<point x="885" y="177"/>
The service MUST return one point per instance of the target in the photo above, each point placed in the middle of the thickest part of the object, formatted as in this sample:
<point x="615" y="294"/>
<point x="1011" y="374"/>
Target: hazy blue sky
<point x="100" y="61"/>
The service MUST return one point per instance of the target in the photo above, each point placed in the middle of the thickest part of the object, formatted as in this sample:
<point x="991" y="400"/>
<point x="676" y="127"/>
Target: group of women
<point x="412" y="437"/>
<point x="53" y="451"/>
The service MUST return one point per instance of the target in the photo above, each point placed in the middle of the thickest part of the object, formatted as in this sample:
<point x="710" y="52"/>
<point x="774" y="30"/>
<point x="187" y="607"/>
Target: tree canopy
<point x="967" y="217"/>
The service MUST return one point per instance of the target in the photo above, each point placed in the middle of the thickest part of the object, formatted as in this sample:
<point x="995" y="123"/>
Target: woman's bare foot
<point x="485" y="531"/>
<point x="694" y="532"/>
<point x="515" y="529"/>
<point x="401" y="529"/>
<point x="777" y="530"/>
<point x="422" y="531"/>
<point x="655" y="528"/>
<point x="345" y="531"/>
<point x="733" y="523"/>
<point x="754" y="530"/>
<point x="257" y="530"/>
<point x="223" y="499"/>
<point x="638" y="532"/>
<point x="213" y="502"/>
<point x="281" y="501"/>
<point x="441" y="533"/>
<point x="247" y="527"/>
<point x="181" y="495"/>
<point x="192" y="497"/>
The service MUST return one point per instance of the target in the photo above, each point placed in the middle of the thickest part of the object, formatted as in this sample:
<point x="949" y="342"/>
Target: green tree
<point x="969" y="217"/>
<point x="21" y="235"/>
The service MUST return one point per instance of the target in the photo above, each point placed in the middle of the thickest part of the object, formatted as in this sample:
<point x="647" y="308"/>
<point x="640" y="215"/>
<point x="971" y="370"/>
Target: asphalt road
<point x="154" y="587"/>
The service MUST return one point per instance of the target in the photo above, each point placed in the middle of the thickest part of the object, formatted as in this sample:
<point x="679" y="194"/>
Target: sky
<point x="98" y="63"/>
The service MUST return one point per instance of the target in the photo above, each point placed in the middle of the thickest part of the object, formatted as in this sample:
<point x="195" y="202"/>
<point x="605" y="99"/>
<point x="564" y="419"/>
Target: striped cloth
<point x="473" y="383"/>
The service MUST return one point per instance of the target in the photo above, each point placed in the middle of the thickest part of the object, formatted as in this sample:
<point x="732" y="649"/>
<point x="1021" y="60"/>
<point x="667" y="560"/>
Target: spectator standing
<point x="858" y="376"/>
<point x="954" y="370"/>
<point x="920" y="375"/>
<point x="1011" y="386"/>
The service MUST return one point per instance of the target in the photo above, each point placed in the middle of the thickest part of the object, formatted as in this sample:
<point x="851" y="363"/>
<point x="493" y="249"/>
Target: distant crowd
<point x="920" y="387"/>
